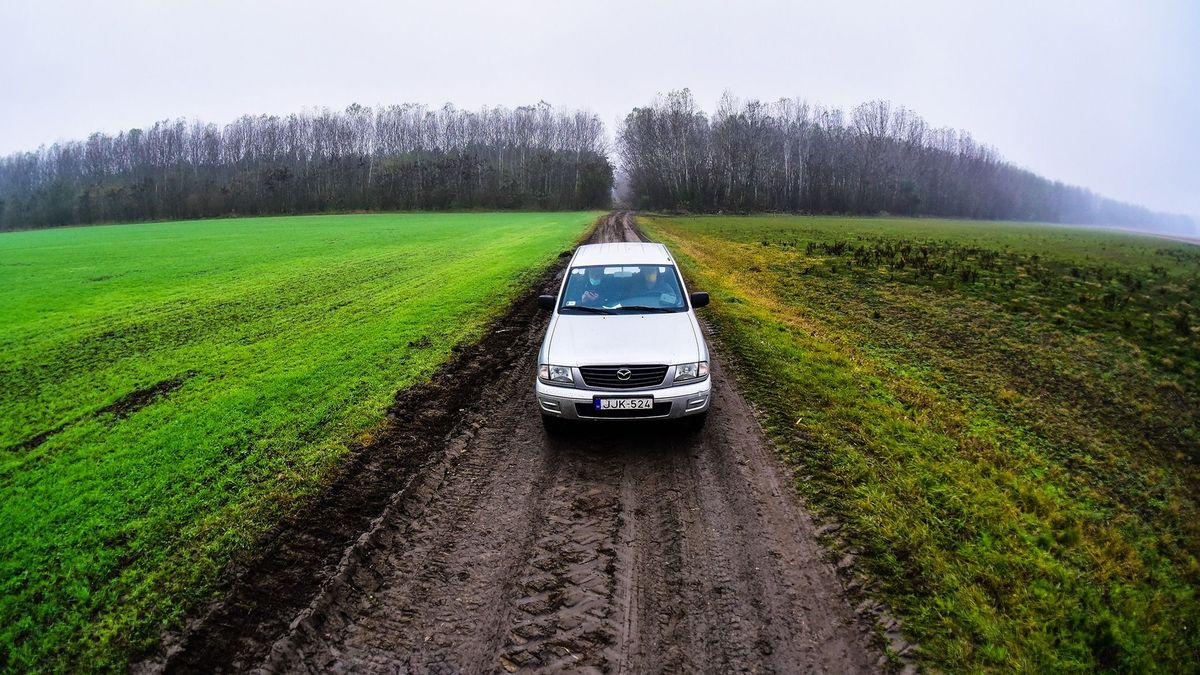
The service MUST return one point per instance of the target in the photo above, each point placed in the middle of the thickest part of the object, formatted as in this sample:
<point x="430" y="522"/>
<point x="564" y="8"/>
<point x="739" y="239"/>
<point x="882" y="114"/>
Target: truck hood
<point x="584" y="340"/>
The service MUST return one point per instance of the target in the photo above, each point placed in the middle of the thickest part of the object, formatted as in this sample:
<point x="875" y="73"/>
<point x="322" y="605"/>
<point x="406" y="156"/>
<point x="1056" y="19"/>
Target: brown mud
<point x="467" y="540"/>
<point x="136" y="400"/>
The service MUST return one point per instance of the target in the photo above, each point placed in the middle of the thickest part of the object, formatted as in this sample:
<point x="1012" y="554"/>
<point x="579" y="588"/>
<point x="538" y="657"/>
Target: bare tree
<point x="398" y="157"/>
<point x="789" y="156"/>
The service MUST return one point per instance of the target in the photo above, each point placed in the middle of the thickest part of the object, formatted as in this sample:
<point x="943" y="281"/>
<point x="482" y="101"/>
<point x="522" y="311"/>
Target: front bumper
<point x="572" y="403"/>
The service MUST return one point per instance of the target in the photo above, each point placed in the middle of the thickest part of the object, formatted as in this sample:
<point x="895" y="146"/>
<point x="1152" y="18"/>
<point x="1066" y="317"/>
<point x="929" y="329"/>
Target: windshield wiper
<point x="644" y="308"/>
<point x="593" y="310"/>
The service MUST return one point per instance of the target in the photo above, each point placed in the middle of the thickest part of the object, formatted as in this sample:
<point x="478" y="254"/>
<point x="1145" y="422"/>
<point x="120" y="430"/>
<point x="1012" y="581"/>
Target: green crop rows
<point x="1002" y="418"/>
<point x="169" y="391"/>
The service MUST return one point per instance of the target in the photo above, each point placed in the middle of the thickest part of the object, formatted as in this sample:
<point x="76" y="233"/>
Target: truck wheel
<point x="694" y="423"/>
<point x="554" y="426"/>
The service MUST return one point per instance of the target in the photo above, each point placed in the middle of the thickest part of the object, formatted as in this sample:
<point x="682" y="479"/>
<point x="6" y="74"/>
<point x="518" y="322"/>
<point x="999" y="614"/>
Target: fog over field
<point x="1097" y="94"/>
<point x="892" y="363"/>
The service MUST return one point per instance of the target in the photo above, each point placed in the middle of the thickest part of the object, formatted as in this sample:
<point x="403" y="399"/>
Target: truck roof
<point x="624" y="253"/>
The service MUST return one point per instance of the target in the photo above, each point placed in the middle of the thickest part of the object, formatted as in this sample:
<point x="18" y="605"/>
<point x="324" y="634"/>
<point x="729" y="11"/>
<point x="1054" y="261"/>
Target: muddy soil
<point x="467" y="540"/>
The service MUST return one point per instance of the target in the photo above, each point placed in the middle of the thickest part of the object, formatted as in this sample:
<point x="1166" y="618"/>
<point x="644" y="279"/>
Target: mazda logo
<point x="624" y="374"/>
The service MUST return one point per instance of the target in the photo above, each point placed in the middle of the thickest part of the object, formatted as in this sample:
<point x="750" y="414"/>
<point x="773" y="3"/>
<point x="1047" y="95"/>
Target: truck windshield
<point x="623" y="289"/>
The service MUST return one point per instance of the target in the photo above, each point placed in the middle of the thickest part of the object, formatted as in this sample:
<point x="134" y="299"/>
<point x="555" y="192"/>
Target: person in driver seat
<point x="653" y="284"/>
<point x="650" y="280"/>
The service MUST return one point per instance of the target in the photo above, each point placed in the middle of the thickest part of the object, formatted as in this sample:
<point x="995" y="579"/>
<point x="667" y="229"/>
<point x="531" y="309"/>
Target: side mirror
<point x="699" y="299"/>
<point x="546" y="302"/>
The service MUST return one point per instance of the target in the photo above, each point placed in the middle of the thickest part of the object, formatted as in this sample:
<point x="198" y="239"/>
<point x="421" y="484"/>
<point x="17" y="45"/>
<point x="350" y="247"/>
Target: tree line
<point x="783" y="156"/>
<point x="403" y="157"/>
<point x="789" y="156"/>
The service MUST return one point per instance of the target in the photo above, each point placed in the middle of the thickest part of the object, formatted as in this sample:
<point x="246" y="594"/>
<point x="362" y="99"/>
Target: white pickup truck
<point x="623" y="342"/>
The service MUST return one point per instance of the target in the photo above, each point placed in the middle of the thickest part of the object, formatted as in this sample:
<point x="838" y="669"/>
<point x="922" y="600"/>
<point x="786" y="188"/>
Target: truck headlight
<point x="691" y="371"/>
<point x="556" y="374"/>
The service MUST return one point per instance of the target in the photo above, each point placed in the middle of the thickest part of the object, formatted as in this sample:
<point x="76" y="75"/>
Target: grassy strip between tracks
<point x="169" y="391"/>
<point x="1002" y="417"/>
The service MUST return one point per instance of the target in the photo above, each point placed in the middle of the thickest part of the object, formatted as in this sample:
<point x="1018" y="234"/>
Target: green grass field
<point x="169" y="391"/>
<point x="1002" y="418"/>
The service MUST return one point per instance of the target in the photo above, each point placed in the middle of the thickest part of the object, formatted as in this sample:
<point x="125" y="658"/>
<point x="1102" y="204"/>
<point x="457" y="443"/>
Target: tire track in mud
<point x="564" y="614"/>
<point x="611" y="548"/>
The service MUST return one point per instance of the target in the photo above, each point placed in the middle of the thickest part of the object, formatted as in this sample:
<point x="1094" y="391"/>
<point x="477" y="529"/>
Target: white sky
<point x="1101" y="94"/>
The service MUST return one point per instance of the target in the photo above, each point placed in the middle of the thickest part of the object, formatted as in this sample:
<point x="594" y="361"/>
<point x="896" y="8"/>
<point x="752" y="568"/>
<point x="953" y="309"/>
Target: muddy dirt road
<point x="468" y="541"/>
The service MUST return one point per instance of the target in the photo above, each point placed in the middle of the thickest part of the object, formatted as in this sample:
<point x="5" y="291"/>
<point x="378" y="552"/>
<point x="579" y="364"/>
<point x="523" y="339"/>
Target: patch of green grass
<point x="169" y="391"/>
<point x="1003" y="417"/>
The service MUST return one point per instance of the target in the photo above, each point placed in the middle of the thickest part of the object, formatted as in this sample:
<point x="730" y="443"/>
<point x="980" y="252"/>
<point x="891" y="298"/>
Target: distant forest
<point x="404" y="157"/>
<point x="789" y="156"/>
<point x="784" y="156"/>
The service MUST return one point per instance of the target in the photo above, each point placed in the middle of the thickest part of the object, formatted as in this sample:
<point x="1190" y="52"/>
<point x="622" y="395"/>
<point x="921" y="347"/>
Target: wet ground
<point x="468" y="540"/>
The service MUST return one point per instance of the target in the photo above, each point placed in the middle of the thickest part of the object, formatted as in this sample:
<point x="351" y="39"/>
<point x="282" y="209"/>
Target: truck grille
<point x="610" y="377"/>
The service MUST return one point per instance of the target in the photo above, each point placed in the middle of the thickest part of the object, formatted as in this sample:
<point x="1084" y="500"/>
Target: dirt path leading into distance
<point x="468" y="541"/>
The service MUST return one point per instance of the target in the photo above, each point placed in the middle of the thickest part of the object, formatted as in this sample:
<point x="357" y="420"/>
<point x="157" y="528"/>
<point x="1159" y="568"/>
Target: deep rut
<point x="614" y="549"/>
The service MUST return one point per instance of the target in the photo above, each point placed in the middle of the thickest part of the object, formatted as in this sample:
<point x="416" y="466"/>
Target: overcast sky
<point x="1100" y="94"/>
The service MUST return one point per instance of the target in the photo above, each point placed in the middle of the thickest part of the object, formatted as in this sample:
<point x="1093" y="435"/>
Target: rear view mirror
<point x="699" y="299"/>
<point x="546" y="302"/>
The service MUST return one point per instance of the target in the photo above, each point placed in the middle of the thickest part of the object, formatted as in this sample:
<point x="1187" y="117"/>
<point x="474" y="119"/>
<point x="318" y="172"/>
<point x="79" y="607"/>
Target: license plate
<point x="624" y="403"/>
